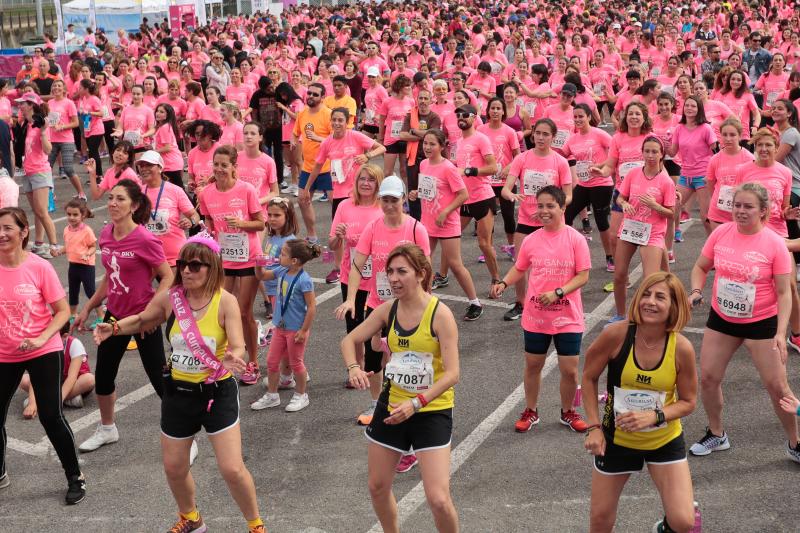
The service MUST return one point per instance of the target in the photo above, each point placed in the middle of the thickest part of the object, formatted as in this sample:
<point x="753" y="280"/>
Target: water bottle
<point x="576" y="401"/>
<point x="327" y="255"/>
<point x="698" y="520"/>
<point x="51" y="201"/>
<point x="87" y="120"/>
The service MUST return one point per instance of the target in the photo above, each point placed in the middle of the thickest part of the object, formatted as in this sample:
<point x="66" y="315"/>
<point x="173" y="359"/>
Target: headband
<point x="205" y="239"/>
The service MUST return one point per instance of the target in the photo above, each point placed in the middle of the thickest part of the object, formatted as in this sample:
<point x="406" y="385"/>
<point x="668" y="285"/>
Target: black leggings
<point x="79" y="274"/>
<point x="111" y="351"/>
<point x="600" y="200"/>
<point x="273" y="141"/>
<point x="175" y="177"/>
<point x="412" y="173"/>
<point x="45" y="374"/>
<point x="109" y="127"/>
<point x="93" y="144"/>
<point x="506" y="210"/>
<point x="793" y="227"/>
<point x="373" y="361"/>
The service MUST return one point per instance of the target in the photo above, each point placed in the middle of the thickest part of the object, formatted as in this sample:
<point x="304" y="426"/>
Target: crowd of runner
<point x="417" y="123"/>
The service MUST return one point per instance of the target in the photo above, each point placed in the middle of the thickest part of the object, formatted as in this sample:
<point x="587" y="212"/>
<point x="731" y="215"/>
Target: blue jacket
<point x="756" y="63"/>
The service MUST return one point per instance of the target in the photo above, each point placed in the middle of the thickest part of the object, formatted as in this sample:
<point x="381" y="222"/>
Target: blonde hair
<point x="764" y="133"/>
<point x="732" y="122"/>
<point x="679" y="311"/>
<point x="373" y="171"/>
<point x="233" y="108"/>
<point x="761" y="194"/>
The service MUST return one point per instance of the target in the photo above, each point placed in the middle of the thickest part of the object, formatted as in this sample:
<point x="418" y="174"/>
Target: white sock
<point x="108" y="428"/>
<point x="286" y="378"/>
<point x="475" y="302"/>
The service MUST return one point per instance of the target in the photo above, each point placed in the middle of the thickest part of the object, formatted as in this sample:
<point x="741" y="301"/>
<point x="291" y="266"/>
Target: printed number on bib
<point x="397" y="127"/>
<point x="337" y="171"/>
<point x="735" y="299"/>
<point x="532" y="181"/>
<point x="582" y="170"/>
<point x="626" y="401"/>
<point x="382" y="286"/>
<point x="725" y="199"/>
<point x="560" y="139"/>
<point x="160" y="224"/>
<point x="625" y="168"/>
<point x="366" y="270"/>
<point x="426" y="189"/>
<point x="412" y="371"/>
<point x="234" y="247"/>
<point x="133" y="137"/>
<point x="183" y="360"/>
<point x="635" y="231"/>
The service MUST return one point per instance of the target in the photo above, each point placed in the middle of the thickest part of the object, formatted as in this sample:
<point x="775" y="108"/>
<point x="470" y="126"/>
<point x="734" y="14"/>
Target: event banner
<point x="59" y="21"/>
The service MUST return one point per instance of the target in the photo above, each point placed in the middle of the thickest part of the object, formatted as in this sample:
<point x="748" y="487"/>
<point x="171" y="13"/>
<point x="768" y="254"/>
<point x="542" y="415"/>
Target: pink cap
<point x="31" y="98"/>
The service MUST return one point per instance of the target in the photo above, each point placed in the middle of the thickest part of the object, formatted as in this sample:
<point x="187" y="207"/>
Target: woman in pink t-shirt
<point x="557" y="262"/>
<point x="255" y="167"/>
<point x="232" y="126"/>
<point x="737" y="96"/>
<point x="647" y="199"/>
<point x="33" y="310"/>
<point x="122" y="158"/>
<point x="773" y="83"/>
<point x="721" y="175"/>
<point x="90" y="110"/>
<point x="235" y="217"/>
<point x="61" y="119"/>
<point x="166" y="143"/>
<point x="750" y="305"/>
<point x="391" y="115"/>
<point x="136" y="123"/>
<point x="201" y="157"/>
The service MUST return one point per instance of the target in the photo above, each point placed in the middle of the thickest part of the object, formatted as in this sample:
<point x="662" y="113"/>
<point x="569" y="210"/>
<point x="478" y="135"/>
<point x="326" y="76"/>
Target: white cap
<point x="392" y="186"/>
<point x="616" y="26"/>
<point x="373" y="71"/>
<point x="152" y="157"/>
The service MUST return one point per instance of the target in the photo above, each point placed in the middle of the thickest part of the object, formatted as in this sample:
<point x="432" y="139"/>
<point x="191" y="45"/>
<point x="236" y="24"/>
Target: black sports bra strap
<point x="392" y="314"/>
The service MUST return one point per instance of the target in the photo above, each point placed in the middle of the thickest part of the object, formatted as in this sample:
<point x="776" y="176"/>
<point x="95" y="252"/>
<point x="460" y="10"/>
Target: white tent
<point x="114" y="14"/>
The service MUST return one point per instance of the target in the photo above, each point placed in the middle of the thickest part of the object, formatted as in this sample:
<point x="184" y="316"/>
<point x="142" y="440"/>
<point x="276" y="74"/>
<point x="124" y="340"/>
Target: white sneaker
<point x="286" y="384"/>
<point x="297" y="403"/>
<point x="193" y="453"/>
<point x="295" y="190"/>
<point x="266" y="401"/>
<point x="75" y="402"/>
<point x="101" y="437"/>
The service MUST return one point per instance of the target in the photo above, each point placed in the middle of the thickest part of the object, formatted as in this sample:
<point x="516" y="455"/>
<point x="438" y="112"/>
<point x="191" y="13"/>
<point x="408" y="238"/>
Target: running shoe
<point x="333" y="276"/>
<point x="509" y="250"/>
<point x="101" y="437"/>
<point x="671" y="257"/>
<point x="587" y="226"/>
<point x="76" y="402"/>
<point x="132" y="345"/>
<point x="184" y="525"/>
<point x="514" y="313"/>
<point x="365" y="418"/>
<point x="710" y="443"/>
<point x="268" y="308"/>
<point x="528" y="419"/>
<point x="287" y="383"/>
<point x="5" y="481"/>
<point x="251" y="375"/>
<point x="19" y="173"/>
<point x="684" y="216"/>
<point x="323" y="198"/>
<point x="615" y="318"/>
<point x="474" y="312"/>
<point x="608" y="287"/>
<point x="481" y="258"/>
<point x="440" y="281"/>
<point x="43" y="251"/>
<point x="794" y="342"/>
<point x="266" y="401"/>
<point x="295" y="191"/>
<point x="76" y="490"/>
<point x="610" y="264"/>
<point x="793" y="453"/>
<point x="678" y="235"/>
<point x="573" y="420"/>
<point x="407" y="462"/>
<point x="297" y="403"/>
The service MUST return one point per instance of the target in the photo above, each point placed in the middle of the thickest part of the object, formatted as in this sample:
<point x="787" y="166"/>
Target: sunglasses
<point x="315" y="95"/>
<point x="463" y="114"/>
<point x="194" y="266"/>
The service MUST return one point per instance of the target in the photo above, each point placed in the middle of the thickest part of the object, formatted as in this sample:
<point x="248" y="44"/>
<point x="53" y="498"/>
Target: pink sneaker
<point x="407" y="462"/>
<point x="251" y="375"/>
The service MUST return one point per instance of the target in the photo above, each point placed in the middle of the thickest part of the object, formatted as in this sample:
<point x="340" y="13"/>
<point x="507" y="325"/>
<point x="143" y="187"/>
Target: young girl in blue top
<point x="293" y="313"/>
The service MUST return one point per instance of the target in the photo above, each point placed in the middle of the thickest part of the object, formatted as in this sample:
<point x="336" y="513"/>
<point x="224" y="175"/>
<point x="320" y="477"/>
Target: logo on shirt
<point x="755" y="257"/>
<point x="645" y="380"/>
<point x="403" y="343"/>
<point x="236" y="202"/>
<point x="26" y="289"/>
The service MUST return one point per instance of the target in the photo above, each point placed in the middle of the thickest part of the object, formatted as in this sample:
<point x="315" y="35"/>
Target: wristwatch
<point x="660" y="418"/>
<point x="559" y="292"/>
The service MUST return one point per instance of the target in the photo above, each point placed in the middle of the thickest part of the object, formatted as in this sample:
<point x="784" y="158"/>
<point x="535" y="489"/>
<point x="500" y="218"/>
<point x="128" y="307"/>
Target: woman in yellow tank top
<point x="416" y="403"/>
<point x="652" y="384"/>
<point x="194" y="396"/>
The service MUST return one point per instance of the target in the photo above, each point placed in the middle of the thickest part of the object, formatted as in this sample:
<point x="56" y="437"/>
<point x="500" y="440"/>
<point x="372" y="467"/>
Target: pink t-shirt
<point x="377" y="241"/>
<point x="722" y="173"/>
<point x="194" y="109"/>
<point x="741" y="108"/>
<point x="565" y="122"/>
<point x="504" y="140"/>
<point x="260" y="172"/>
<point x="716" y="113"/>
<point x="587" y="150"/>
<point x="287" y="122"/>
<point x="777" y="179"/>
<point x="173" y="160"/>
<point x="394" y="111"/>
<point x="661" y="188"/>
<point x="438" y="186"/>
<point x="355" y="217"/>
<point x="178" y="105"/>
<point x="373" y="99"/>
<point x="78" y="242"/>
<point x="534" y="172"/>
<point x="29" y="289"/>
<point x="130" y="263"/>
<point x="341" y="153"/>
<point x="232" y="134"/>
<point x="239" y="247"/>
<point x="168" y="206"/>
<point x="471" y="152"/>
<point x="92" y="104"/>
<point x="627" y="151"/>
<point x="241" y="95"/>
<point x="110" y="178"/>
<point x="664" y="130"/>
<point x="61" y="112"/>
<point x="135" y="122"/>
<point x="9" y="192"/>
<point x="553" y="258"/>
<point x="772" y="86"/>
<point x="201" y="164"/>
<point x="745" y="268"/>
<point x="35" y="159"/>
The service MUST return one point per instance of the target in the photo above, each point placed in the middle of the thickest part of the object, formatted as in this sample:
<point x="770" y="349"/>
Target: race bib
<point x="735" y="299"/>
<point x="183" y="360"/>
<point x="533" y="181"/>
<point x="411" y="371"/>
<point x="725" y="198"/>
<point x="560" y="139"/>
<point x="426" y="190"/>
<point x="53" y="118"/>
<point x="453" y="152"/>
<point x="133" y="137"/>
<point x="626" y="401"/>
<point x="285" y="119"/>
<point x="582" y="170"/>
<point x="624" y="168"/>
<point x="234" y="247"/>
<point x="530" y="107"/>
<point x="366" y="270"/>
<point x="337" y="172"/>
<point x="635" y="231"/>
<point x="158" y="225"/>
<point x="382" y="286"/>
<point x="599" y="88"/>
<point x="772" y="96"/>
<point x="106" y="112"/>
<point x="396" y="128"/>
<point x="369" y="116"/>
<point x="655" y="72"/>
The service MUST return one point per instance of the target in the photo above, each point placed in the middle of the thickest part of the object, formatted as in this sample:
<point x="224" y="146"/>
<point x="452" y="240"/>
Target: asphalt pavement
<point x="310" y="467"/>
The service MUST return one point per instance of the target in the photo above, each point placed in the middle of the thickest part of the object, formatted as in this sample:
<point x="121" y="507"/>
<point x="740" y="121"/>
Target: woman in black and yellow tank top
<point x="416" y="404"/>
<point x="652" y="384"/>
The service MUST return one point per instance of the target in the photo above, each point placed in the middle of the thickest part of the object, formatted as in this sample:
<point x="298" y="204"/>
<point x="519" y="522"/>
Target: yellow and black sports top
<point x="630" y="388"/>
<point x="416" y="361"/>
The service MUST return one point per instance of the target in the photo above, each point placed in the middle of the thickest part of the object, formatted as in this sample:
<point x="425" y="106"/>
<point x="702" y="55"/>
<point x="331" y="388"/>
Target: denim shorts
<point x="692" y="182"/>
<point x="322" y="183"/>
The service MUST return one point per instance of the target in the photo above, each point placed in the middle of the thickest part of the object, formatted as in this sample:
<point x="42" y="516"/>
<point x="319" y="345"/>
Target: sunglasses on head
<point x="194" y="265"/>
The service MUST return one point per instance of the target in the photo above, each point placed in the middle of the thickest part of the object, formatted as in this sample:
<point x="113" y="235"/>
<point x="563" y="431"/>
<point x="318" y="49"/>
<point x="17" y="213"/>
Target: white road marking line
<point x="699" y="331"/>
<point x="484" y="301"/>
<point x="36" y="450"/>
